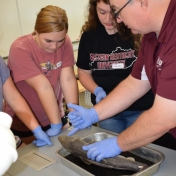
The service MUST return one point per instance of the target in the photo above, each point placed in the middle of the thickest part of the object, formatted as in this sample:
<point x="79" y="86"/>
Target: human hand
<point x="99" y="93"/>
<point x="54" y="130"/>
<point x="103" y="149"/>
<point x="81" y="117"/>
<point x="41" y="136"/>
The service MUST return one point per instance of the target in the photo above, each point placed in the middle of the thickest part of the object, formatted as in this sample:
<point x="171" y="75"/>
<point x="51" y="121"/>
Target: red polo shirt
<point x="158" y="57"/>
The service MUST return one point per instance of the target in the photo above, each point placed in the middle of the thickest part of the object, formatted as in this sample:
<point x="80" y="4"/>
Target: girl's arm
<point x="85" y="77"/>
<point x="46" y="96"/>
<point x="69" y="85"/>
<point x="18" y="104"/>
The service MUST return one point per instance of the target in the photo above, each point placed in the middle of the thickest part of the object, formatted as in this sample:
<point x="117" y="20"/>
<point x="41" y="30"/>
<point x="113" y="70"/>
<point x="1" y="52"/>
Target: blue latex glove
<point x="54" y="130"/>
<point x="41" y="136"/>
<point x="103" y="149"/>
<point x="99" y="93"/>
<point x="81" y="117"/>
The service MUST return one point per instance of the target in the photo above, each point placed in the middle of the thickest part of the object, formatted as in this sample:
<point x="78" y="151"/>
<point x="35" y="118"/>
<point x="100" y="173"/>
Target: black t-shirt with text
<point x="110" y="58"/>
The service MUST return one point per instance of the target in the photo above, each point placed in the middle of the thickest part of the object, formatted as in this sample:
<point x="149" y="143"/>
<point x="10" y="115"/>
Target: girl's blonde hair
<point x="51" y="19"/>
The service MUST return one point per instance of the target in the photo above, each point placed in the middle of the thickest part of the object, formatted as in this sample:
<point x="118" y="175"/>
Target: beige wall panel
<point x="9" y="25"/>
<point x="17" y="17"/>
<point x="75" y="9"/>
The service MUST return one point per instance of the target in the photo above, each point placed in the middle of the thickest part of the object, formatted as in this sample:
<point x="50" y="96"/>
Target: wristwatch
<point x="65" y="120"/>
<point x="18" y="141"/>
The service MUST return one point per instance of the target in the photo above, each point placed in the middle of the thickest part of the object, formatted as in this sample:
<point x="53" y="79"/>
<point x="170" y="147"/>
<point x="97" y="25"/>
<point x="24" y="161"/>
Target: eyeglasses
<point x="116" y="14"/>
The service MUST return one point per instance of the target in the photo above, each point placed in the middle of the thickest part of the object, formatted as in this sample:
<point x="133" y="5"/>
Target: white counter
<point x="167" y="167"/>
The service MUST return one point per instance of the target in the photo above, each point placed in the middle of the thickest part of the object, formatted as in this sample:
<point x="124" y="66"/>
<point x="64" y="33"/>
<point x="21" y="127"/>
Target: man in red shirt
<point x="154" y="68"/>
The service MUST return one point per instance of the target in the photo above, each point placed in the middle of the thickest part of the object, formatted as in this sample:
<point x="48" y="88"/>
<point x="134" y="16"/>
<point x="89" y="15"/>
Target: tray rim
<point x="154" y="167"/>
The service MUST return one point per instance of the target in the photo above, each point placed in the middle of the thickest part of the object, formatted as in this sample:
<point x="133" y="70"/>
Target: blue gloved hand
<point x="103" y="149"/>
<point x="81" y="117"/>
<point x="41" y="137"/>
<point x="99" y="93"/>
<point x="54" y="130"/>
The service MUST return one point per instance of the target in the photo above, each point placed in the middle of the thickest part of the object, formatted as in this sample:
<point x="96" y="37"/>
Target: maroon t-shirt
<point x="27" y="60"/>
<point x="158" y="57"/>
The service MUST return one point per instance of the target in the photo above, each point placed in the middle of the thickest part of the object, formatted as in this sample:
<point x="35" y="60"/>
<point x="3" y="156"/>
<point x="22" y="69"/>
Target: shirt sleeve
<point x="83" y="52"/>
<point x="4" y="71"/>
<point x="22" y="65"/>
<point x="138" y="70"/>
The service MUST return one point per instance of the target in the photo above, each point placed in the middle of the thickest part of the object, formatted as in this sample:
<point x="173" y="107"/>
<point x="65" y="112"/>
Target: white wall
<point x="17" y="17"/>
<point x="9" y="25"/>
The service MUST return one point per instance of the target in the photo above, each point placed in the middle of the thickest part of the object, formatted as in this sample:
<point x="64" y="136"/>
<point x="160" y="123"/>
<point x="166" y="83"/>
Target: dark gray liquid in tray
<point x="100" y="171"/>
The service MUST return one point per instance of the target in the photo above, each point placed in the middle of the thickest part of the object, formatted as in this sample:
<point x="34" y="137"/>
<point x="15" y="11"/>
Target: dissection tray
<point x="151" y="157"/>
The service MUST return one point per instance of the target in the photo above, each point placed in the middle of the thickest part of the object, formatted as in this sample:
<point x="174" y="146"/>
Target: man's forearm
<point x="150" y="125"/>
<point x="141" y="133"/>
<point x="124" y="95"/>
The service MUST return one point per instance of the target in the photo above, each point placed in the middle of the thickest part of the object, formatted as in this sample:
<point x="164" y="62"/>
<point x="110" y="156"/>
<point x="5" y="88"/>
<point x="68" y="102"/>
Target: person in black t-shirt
<point x="106" y="56"/>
